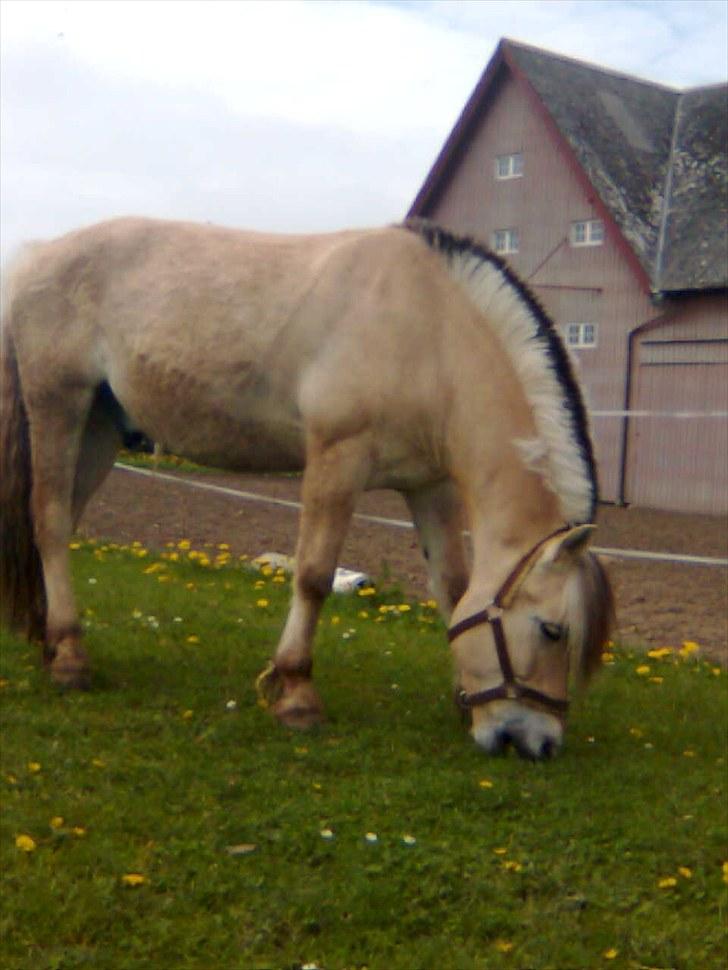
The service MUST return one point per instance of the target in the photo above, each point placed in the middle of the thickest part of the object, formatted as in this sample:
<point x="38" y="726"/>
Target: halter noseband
<point x="510" y="689"/>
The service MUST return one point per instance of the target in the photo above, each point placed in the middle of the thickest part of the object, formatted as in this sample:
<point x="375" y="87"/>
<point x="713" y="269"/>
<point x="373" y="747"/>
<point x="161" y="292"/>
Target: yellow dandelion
<point x="154" y="568"/>
<point x="57" y="822"/>
<point x="503" y="946"/>
<point x="335" y="620"/>
<point x="510" y="865"/>
<point x="500" y="850"/>
<point x="25" y="843"/>
<point x="658" y="653"/>
<point x="134" y="879"/>
<point x="607" y="658"/>
<point x="668" y="882"/>
<point x="193" y="638"/>
<point x="262" y="603"/>
<point x="485" y="783"/>
<point x="184" y="544"/>
<point x="656" y="680"/>
<point x="610" y="954"/>
<point x="685" y="872"/>
<point x="716" y="671"/>
<point x="725" y="872"/>
<point x="404" y="608"/>
<point x="363" y="614"/>
<point x="34" y="767"/>
<point x="642" y="670"/>
<point x="187" y="715"/>
<point x="223" y="546"/>
<point x="688" y="753"/>
<point x="74" y="545"/>
<point x="78" y="831"/>
<point x="98" y="763"/>
<point x="366" y="591"/>
<point x="688" y="648"/>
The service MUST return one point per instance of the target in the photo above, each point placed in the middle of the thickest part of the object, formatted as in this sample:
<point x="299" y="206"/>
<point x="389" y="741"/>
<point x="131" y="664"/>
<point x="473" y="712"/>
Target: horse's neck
<point x="508" y="515"/>
<point x="509" y="507"/>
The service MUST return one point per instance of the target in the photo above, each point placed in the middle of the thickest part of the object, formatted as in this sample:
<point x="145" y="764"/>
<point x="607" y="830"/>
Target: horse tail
<point x="22" y="590"/>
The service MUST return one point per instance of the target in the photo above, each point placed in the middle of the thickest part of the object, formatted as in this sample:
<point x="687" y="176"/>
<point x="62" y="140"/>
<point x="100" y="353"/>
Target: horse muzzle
<point x="535" y="734"/>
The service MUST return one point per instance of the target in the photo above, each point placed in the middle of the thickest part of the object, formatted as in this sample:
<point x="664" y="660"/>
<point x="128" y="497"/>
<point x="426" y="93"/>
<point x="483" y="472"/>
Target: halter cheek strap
<point x="510" y="688"/>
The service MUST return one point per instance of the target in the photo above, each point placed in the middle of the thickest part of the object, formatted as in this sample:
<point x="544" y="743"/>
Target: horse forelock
<point x="590" y="616"/>
<point x="562" y="451"/>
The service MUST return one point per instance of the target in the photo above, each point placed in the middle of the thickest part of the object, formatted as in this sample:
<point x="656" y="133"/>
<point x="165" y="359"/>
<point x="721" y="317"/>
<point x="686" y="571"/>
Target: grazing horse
<point x="402" y="357"/>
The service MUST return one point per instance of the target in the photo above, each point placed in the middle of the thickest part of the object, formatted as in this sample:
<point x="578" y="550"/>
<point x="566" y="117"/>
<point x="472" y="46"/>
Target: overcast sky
<point x="298" y="116"/>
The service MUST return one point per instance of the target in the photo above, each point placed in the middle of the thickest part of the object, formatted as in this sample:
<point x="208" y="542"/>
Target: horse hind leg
<point x="437" y="515"/>
<point x="73" y="443"/>
<point x="334" y="477"/>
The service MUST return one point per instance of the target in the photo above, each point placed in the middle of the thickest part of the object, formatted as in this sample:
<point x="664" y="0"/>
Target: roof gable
<point x="655" y="157"/>
<point x="619" y="129"/>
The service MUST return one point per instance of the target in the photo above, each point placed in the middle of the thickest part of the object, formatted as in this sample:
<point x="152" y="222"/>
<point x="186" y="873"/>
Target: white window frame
<point x="514" y="166"/>
<point x="587" y="232"/>
<point x="580" y="336"/>
<point x="505" y="241"/>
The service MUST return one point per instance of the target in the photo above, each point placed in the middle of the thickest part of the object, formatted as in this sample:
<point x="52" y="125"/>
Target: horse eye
<point x="552" y="631"/>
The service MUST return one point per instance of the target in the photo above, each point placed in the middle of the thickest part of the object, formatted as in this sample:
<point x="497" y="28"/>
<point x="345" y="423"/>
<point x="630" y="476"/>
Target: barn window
<point x="581" y="334"/>
<point x="588" y="232"/>
<point x="505" y="240"/>
<point x="509" y="166"/>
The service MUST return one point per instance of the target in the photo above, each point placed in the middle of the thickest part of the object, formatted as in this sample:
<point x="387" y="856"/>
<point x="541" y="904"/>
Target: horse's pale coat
<point x="400" y="357"/>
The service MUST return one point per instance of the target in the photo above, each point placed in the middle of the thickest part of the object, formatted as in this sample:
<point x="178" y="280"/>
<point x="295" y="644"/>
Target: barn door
<point x="677" y="462"/>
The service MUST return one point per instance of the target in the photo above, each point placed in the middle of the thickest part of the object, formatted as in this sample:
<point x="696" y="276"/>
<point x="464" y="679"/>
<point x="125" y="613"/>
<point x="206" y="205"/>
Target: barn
<point x="608" y="194"/>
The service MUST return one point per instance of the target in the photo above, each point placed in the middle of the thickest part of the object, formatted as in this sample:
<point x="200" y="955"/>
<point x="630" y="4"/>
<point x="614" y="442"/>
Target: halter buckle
<point x="511" y="691"/>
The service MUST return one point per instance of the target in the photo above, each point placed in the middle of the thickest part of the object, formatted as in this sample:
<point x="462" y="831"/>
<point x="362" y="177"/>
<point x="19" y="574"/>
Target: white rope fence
<point x="659" y="414"/>
<point x="404" y="524"/>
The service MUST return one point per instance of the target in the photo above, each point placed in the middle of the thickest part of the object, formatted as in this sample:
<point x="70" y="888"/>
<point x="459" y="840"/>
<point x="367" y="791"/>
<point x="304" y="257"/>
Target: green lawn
<point x="247" y="844"/>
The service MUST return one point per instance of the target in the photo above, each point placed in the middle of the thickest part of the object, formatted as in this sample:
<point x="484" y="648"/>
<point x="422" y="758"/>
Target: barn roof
<point x="655" y="156"/>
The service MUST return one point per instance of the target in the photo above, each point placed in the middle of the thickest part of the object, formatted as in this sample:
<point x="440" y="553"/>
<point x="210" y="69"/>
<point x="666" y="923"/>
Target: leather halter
<point x="510" y="689"/>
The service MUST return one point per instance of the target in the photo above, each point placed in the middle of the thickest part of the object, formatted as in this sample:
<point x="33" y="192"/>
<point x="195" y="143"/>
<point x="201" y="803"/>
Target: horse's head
<point x="551" y="615"/>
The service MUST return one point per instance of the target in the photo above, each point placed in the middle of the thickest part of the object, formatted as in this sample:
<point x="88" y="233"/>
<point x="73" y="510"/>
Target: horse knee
<point x="314" y="583"/>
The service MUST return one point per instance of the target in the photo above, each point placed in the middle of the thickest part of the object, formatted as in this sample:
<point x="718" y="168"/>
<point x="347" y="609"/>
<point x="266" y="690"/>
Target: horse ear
<point x="568" y="544"/>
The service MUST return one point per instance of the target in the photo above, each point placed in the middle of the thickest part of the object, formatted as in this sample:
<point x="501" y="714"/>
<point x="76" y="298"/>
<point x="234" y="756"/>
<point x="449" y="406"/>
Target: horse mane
<point x="562" y="452"/>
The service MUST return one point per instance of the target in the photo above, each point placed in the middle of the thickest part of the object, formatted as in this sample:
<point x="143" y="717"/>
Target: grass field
<point x="163" y="820"/>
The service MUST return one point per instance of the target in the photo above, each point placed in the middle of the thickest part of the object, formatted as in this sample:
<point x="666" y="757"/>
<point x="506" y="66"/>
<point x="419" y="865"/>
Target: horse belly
<point x="258" y="431"/>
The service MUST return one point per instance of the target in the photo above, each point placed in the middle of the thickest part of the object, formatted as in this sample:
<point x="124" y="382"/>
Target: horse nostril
<point x="548" y="749"/>
<point x="501" y="741"/>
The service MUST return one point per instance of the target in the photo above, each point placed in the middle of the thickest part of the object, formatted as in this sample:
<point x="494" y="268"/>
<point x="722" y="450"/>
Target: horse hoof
<point x="70" y="676"/>
<point x="301" y="709"/>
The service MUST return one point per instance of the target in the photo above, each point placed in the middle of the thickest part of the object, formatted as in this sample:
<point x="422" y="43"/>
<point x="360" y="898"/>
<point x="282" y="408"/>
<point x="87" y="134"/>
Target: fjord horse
<point x="403" y="357"/>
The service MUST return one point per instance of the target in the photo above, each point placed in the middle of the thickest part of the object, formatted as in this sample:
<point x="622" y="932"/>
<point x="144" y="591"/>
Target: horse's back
<point x="225" y="344"/>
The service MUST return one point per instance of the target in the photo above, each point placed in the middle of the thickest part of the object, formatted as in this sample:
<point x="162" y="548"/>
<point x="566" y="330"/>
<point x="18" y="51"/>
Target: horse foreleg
<point x="437" y="515"/>
<point x="334" y="476"/>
